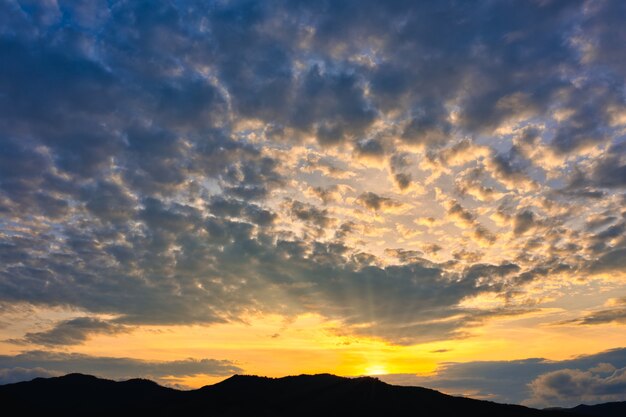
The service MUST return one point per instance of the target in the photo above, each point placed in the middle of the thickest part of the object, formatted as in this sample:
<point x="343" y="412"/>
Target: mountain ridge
<point x="244" y="395"/>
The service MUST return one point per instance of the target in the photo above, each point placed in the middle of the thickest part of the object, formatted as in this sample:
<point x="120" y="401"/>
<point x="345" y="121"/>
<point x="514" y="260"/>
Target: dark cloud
<point x="402" y="180"/>
<point x="428" y="127"/>
<point x="326" y="194"/>
<point x="599" y="222"/>
<point x="234" y="208"/>
<point x="405" y="256"/>
<point x="30" y="364"/>
<point x="432" y="248"/>
<point x="253" y="51"/>
<point x="373" y="201"/>
<point x="607" y="172"/>
<point x="460" y="213"/>
<point x="200" y="281"/>
<point x="108" y="201"/>
<point x="470" y="182"/>
<point x="308" y="213"/>
<point x="511" y="168"/>
<point x="371" y="148"/>
<point x="468" y="256"/>
<point x="11" y="375"/>
<point x="611" y="171"/>
<point x="71" y="332"/>
<point x="465" y="218"/>
<point x="398" y="163"/>
<point x="614" y="314"/>
<point x="612" y="260"/>
<point x="590" y="122"/>
<point x="435" y="294"/>
<point x="483" y="234"/>
<point x="571" y="386"/>
<point x="535" y="381"/>
<point x="523" y="221"/>
<point x="344" y="230"/>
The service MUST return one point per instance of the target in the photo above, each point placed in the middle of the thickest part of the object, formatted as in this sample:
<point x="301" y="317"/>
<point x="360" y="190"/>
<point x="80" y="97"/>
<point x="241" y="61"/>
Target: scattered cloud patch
<point x="30" y="364"/>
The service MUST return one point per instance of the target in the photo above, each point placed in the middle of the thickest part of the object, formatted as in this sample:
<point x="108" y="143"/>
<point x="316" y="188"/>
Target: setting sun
<point x="376" y="370"/>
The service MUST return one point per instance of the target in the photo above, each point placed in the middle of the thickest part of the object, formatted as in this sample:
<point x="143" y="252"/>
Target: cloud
<point x="523" y="221"/>
<point x="460" y="214"/>
<point x="234" y="208"/>
<point x="405" y="255"/>
<point x="427" y="299"/>
<point x="465" y="219"/>
<point x="265" y="79"/>
<point x="71" y="332"/>
<point x="12" y="375"/>
<point x="470" y="182"/>
<point x="612" y="260"/>
<point x="573" y="385"/>
<point x="29" y="364"/>
<point x="536" y="382"/>
<point x="309" y="213"/>
<point x="428" y="127"/>
<point x="510" y="169"/>
<point x="606" y="172"/>
<point x="146" y="151"/>
<point x="375" y="202"/>
<point x="330" y="194"/>
<point x="370" y="148"/>
<point x="588" y="119"/>
<point x="459" y="153"/>
<point x="398" y="163"/>
<point x="615" y="314"/>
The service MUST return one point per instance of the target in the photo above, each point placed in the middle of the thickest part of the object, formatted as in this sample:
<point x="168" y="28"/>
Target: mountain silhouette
<point x="305" y="395"/>
<point x="614" y="409"/>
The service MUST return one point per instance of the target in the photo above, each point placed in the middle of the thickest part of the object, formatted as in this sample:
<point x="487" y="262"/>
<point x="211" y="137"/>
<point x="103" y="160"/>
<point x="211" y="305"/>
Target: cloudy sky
<point x="433" y="192"/>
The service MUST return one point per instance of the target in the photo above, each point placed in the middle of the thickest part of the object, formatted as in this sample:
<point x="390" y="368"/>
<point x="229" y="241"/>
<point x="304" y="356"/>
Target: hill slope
<point x="615" y="409"/>
<point x="304" y="395"/>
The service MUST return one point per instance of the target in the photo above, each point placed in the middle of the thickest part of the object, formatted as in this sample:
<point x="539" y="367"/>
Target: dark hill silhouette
<point x="615" y="409"/>
<point x="304" y="395"/>
<point x="77" y="394"/>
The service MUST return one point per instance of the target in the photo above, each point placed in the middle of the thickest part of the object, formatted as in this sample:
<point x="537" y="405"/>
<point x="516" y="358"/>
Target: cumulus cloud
<point x="611" y="260"/>
<point x="615" y="313"/>
<point x="71" y="332"/>
<point x="523" y="221"/>
<point x="470" y="182"/>
<point x="608" y="172"/>
<point x="511" y="169"/>
<point x="330" y="194"/>
<point x="149" y="153"/>
<point x="376" y="202"/>
<point x="567" y="386"/>
<point x="310" y="214"/>
<point x="535" y="382"/>
<point x="465" y="219"/>
<point x="371" y="148"/>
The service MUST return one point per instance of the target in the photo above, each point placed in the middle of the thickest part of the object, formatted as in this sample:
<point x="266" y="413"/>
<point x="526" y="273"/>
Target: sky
<point x="430" y="192"/>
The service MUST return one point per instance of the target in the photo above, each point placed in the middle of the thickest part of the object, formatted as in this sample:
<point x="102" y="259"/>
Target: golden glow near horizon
<point x="276" y="346"/>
